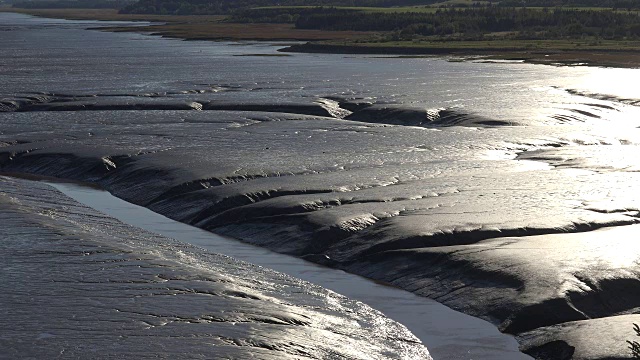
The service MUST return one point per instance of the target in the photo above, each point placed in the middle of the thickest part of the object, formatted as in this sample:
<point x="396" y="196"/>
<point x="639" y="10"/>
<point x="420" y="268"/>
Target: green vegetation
<point x="463" y="3"/>
<point x="184" y="7"/>
<point x="395" y="9"/>
<point x="611" y="4"/>
<point x="71" y="4"/>
<point x="199" y="7"/>
<point x="480" y="23"/>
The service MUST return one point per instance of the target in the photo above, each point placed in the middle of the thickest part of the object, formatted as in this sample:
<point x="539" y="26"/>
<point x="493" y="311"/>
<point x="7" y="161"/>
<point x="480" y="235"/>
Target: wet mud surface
<point x="393" y="211"/>
<point x="497" y="208"/>
<point x="77" y="283"/>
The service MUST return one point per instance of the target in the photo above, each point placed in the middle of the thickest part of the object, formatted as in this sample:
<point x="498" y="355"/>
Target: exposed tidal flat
<point x="450" y="334"/>
<point x="478" y="185"/>
<point x="79" y="284"/>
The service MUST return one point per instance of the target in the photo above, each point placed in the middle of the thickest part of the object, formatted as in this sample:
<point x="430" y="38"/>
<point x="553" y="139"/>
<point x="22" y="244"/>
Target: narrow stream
<point x="447" y="334"/>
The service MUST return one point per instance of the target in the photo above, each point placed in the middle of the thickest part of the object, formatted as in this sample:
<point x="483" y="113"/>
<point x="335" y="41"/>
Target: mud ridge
<point x="462" y="268"/>
<point x="627" y="101"/>
<point x="406" y="116"/>
<point x="471" y="237"/>
<point x="331" y="107"/>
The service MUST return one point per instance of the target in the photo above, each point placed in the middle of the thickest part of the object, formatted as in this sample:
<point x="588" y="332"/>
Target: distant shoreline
<point x="211" y="28"/>
<point x="600" y="58"/>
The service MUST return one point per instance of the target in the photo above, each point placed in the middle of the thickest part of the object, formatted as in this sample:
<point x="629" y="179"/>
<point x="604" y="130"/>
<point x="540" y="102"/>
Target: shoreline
<point x="192" y="27"/>
<point x="211" y="28"/>
<point x="613" y="58"/>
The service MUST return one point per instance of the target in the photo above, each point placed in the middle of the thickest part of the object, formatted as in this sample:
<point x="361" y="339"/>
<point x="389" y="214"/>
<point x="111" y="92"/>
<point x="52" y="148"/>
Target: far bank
<point x="570" y="52"/>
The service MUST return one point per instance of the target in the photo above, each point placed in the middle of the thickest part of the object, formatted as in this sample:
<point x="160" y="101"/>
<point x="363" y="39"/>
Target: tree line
<point x="206" y="7"/>
<point x="469" y="23"/>
<point x="72" y="4"/>
<point x="612" y="4"/>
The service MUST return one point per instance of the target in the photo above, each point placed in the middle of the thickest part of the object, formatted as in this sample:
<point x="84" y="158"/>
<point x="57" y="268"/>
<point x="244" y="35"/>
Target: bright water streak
<point x="447" y="334"/>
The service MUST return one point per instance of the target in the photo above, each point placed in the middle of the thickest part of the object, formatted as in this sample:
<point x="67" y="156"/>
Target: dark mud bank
<point x="393" y="221"/>
<point x="201" y="100"/>
<point x="79" y="282"/>
<point x="563" y="57"/>
<point x="381" y="50"/>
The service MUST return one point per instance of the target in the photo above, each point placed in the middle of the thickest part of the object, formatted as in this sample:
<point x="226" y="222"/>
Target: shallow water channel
<point x="448" y="334"/>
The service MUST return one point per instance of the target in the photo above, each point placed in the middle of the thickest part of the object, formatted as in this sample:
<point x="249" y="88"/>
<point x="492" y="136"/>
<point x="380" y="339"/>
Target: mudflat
<point x="487" y="187"/>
